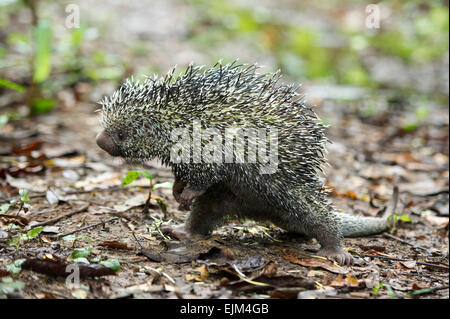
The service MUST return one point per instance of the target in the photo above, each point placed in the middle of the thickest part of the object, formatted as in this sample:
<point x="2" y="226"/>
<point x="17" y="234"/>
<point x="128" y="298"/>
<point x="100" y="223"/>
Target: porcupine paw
<point x="187" y="196"/>
<point x="179" y="232"/>
<point x="341" y="256"/>
<point x="177" y="189"/>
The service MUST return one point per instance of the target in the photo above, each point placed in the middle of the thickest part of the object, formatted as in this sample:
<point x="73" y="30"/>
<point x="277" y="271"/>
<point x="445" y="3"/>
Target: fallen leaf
<point x="348" y="281"/>
<point x="317" y="263"/>
<point x="51" y="229"/>
<point x="439" y="221"/>
<point x="372" y="248"/>
<point x="51" y="197"/>
<point x="201" y="274"/>
<point x="411" y="264"/>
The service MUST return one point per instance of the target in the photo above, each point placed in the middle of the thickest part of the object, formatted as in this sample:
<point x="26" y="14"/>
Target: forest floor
<point x="79" y="211"/>
<point x="69" y="177"/>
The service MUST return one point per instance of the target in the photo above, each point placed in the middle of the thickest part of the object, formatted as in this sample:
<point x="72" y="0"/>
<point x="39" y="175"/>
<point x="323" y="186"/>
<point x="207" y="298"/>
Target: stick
<point x="57" y="219"/>
<point x="87" y="227"/>
<point x="111" y="189"/>
<point x="402" y="259"/>
<point x="403" y="241"/>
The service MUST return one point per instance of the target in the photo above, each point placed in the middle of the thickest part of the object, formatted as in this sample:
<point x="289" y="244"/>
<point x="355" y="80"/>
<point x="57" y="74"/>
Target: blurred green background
<point x="324" y="44"/>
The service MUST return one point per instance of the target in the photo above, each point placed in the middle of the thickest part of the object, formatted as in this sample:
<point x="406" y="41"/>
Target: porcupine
<point x="139" y="118"/>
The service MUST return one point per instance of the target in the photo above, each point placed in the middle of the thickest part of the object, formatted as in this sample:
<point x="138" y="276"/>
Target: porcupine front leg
<point x="207" y="212"/>
<point x="184" y="194"/>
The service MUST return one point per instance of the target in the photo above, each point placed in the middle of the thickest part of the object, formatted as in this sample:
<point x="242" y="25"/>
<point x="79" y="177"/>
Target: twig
<point x="137" y="241"/>
<point x="147" y="202"/>
<point x="392" y="205"/>
<point x="437" y="193"/>
<point x="403" y="241"/>
<point x="57" y="219"/>
<point x="402" y="259"/>
<point x="96" y="190"/>
<point x="87" y="227"/>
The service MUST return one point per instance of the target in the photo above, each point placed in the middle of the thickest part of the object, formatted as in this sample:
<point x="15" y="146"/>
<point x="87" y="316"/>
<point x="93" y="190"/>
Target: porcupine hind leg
<point x="325" y="229"/>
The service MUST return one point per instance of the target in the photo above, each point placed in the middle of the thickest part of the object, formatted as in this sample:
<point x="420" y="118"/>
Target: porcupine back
<point x="224" y="96"/>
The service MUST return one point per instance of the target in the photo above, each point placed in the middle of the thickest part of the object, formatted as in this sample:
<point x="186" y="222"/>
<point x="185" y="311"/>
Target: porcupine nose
<point x="106" y="143"/>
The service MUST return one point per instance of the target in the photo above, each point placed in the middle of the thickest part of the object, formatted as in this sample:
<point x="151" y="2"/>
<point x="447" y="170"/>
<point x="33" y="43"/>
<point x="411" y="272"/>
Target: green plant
<point x="133" y="175"/>
<point x="31" y="234"/>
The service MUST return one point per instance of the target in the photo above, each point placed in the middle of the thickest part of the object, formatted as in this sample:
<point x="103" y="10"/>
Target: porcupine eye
<point x="121" y="135"/>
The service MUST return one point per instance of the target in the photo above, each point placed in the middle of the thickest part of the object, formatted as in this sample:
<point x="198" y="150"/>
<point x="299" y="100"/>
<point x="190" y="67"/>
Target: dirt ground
<point x="60" y="157"/>
<point x="76" y="194"/>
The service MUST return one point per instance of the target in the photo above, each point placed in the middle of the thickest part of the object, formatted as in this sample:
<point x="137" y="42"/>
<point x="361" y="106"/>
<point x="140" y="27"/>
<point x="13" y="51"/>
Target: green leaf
<point x="11" y="226"/>
<point x="81" y="260"/>
<point x="146" y="175"/>
<point x="405" y="218"/>
<point x="421" y="291"/>
<point x="390" y="291"/>
<point x="130" y="177"/>
<point x="163" y="185"/>
<point x="8" y="285"/>
<point x="4" y="208"/>
<point x="15" y="267"/>
<point x="15" y="241"/>
<point x="111" y="263"/>
<point x="32" y="233"/>
<point x="4" y="119"/>
<point x="11" y="85"/>
<point x="95" y="259"/>
<point x="81" y="252"/>
<point x="42" y="66"/>
<point x="24" y="195"/>
<point x="42" y="105"/>
<point x="85" y="238"/>
<point x="375" y="290"/>
<point x="69" y="238"/>
<point x="411" y="126"/>
<point x="73" y="238"/>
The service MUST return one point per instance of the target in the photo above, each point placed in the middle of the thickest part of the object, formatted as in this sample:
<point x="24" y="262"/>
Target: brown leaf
<point x="348" y="281"/>
<point x="316" y="262"/>
<point x="201" y="274"/>
<point x="18" y="220"/>
<point x="410" y="264"/>
<point x="4" y="273"/>
<point x="373" y="248"/>
<point x="27" y="149"/>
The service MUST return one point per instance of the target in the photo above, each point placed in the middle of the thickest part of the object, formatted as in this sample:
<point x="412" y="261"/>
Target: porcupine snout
<point x="106" y="143"/>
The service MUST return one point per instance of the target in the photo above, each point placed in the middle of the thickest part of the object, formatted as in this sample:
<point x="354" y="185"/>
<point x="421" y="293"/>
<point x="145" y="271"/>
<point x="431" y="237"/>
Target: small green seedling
<point x="133" y="175"/>
<point x="393" y="219"/>
<point x="15" y="267"/>
<point x="31" y="234"/>
<point x="111" y="264"/>
<point x="8" y="285"/>
<point x="83" y="252"/>
<point x="388" y="288"/>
